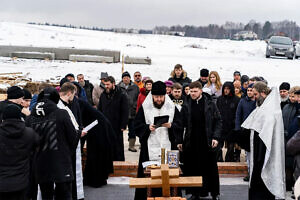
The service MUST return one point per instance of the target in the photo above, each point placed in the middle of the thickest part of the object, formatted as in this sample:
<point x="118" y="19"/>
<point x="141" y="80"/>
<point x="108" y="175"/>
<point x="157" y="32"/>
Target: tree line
<point x="211" y="31"/>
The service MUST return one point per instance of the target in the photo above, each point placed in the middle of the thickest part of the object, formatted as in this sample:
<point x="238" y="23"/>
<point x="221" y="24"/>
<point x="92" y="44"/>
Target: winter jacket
<point x="288" y="114"/>
<point x="213" y="121"/>
<point x="182" y="79"/>
<point x="17" y="142"/>
<point x="114" y="106"/>
<point x="214" y="92"/>
<point x="81" y="92"/>
<point x="97" y="91"/>
<point x="88" y="87"/>
<point x="202" y="82"/>
<point x="245" y="107"/>
<point x="4" y="104"/>
<point x="58" y="142"/>
<point x="142" y="96"/>
<point x="132" y="91"/>
<point x="227" y="105"/>
<point x="293" y="149"/>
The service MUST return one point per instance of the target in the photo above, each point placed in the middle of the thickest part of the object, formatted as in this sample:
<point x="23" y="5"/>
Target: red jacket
<point x="141" y="98"/>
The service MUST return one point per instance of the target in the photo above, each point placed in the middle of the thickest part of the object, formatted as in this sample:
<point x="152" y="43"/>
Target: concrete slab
<point x="91" y="58"/>
<point x="61" y="53"/>
<point x="137" y="60"/>
<point x="33" y="55"/>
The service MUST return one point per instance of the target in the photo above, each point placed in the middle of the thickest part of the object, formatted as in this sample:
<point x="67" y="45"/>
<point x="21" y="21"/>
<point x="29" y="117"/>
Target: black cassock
<point x="200" y="159"/>
<point x="99" y="163"/>
<point x="143" y="132"/>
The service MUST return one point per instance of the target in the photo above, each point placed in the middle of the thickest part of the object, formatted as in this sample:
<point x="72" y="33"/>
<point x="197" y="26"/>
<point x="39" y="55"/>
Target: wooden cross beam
<point x="165" y="178"/>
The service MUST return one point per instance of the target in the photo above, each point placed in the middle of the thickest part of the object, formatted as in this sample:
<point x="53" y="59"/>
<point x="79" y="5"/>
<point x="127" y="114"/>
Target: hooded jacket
<point x="182" y="79"/>
<point x="58" y="142"/>
<point x="17" y="142"/>
<point x="142" y="96"/>
<point x="227" y="105"/>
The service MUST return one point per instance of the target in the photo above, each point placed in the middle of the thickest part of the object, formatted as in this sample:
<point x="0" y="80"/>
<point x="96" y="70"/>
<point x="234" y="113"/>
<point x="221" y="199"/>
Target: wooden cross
<point x="165" y="178"/>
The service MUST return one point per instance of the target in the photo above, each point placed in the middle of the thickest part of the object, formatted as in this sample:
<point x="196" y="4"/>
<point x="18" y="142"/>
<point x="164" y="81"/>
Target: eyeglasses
<point x="137" y="75"/>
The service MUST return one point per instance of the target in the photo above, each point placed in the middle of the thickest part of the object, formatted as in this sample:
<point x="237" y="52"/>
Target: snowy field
<point x="224" y="56"/>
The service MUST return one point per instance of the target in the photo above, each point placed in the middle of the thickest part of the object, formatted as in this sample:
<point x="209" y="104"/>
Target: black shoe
<point x="132" y="150"/>
<point x="246" y="178"/>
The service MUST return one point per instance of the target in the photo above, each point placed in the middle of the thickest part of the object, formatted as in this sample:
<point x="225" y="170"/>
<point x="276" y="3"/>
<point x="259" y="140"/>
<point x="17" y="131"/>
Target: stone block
<point x="137" y="60"/>
<point x="33" y="55"/>
<point x="91" y="58"/>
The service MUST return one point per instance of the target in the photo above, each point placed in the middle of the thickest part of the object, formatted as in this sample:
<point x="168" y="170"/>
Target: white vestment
<point x="79" y="178"/>
<point x="267" y="121"/>
<point x="160" y="137"/>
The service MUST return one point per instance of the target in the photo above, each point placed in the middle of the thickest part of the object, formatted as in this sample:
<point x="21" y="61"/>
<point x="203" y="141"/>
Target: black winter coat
<point x="288" y="114"/>
<point x="132" y="95"/>
<point x="17" y="142"/>
<point x="58" y="142"/>
<point x="114" y="106"/>
<point x="88" y="87"/>
<point x="227" y="106"/>
<point x="213" y="122"/>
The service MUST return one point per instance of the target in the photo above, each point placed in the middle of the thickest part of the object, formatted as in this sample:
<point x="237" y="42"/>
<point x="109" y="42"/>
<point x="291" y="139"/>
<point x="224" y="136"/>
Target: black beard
<point x="260" y="101"/>
<point x="158" y="106"/>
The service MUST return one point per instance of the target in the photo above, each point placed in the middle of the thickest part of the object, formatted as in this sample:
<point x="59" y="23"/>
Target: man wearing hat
<point x="153" y="134"/>
<point x="17" y="142"/>
<point x="98" y="89"/>
<point x="15" y="95"/>
<point x="284" y="94"/>
<point x="204" y="73"/>
<point x="132" y="91"/>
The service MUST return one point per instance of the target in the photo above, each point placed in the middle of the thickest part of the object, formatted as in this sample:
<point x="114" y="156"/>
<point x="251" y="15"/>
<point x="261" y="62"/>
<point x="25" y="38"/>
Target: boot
<point x="131" y="145"/>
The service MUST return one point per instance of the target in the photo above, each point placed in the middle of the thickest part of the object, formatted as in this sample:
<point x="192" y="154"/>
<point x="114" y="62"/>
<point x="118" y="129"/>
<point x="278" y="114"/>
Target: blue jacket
<point x="33" y="102"/>
<point x="245" y="107"/>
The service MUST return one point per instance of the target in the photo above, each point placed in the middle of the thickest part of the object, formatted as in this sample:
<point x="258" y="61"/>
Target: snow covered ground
<point x="224" y="56"/>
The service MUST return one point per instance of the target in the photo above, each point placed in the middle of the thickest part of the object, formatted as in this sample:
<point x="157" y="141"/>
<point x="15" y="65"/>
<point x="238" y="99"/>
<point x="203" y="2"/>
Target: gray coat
<point x="132" y="92"/>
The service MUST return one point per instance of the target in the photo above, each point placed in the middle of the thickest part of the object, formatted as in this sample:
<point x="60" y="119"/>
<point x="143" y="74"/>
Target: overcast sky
<point x="147" y="14"/>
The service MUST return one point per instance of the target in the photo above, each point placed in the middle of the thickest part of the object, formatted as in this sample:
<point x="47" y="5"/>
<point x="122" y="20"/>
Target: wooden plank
<point x="166" y="198"/>
<point x="11" y="73"/>
<point x="191" y="181"/>
<point x="156" y="173"/>
<point x="165" y="180"/>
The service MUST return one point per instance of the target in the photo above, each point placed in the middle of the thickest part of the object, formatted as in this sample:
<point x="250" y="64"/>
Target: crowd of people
<point x="42" y="135"/>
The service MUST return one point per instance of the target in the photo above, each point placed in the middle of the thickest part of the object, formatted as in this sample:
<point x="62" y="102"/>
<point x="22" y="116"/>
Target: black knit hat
<point x="49" y="93"/>
<point x="27" y="94"/>
<point x="284" y="86"/>
<point x="15" y="92"/>
<point x="204" y="72"/>
<point x="62" y="81"/>
<point x="126" y="74"/>
<point x="297" y="92"/>
<point x="11" y="112"/>
<point x="158" y="88"/>
<point x="71" y="75"/>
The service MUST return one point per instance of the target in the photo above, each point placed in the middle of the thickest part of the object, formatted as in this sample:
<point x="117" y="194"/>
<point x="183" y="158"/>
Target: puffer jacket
<point x="132" y="92"/>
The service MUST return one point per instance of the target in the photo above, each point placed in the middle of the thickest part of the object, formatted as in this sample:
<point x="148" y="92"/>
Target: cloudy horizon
<point x="147" y="14"/>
